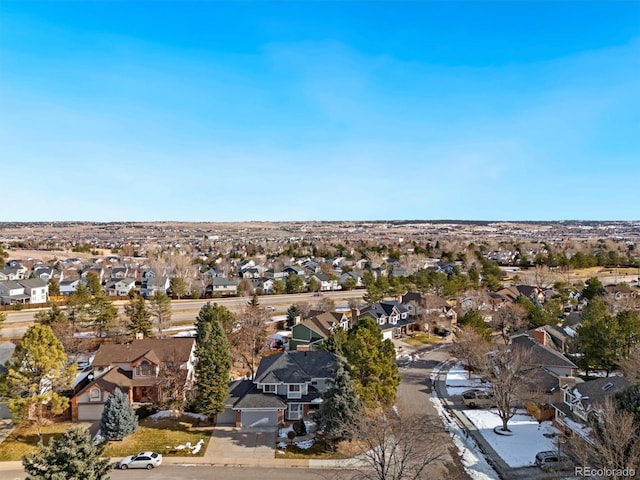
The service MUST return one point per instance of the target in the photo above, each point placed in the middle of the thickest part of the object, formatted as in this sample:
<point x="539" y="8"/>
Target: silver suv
<point x="476" y="398"/>
<point x="553" y="460"/>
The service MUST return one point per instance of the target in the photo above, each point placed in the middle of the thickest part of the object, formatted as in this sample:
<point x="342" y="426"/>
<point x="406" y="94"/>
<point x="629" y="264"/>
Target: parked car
<point x="317" y="294"/>
<point x="476" y="398"/>
<point x="553" y="460"/>
<point x="146" y="460"/>
<point x="270" y="308"/>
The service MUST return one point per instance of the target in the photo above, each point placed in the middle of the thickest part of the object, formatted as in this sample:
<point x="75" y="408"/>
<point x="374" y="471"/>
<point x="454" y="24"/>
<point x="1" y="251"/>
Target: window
<point x="269" y="388"/>
<point x="94" y="394"/>
<point x="294" y="388"/>
<point x="145" y="369"/>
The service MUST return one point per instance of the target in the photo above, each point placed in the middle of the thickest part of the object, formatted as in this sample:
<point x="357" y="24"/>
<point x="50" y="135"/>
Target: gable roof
<point x="542" y="355"/>
<point x="595" y="391"/>
<point x="296" y="367"/>
<point x="161" y="348"/>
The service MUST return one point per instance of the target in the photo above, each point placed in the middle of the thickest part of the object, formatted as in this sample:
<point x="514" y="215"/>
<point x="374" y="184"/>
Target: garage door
<point x="259" y="418"/>
<point x="228" y="417"/>
<point x="90" y="412"/>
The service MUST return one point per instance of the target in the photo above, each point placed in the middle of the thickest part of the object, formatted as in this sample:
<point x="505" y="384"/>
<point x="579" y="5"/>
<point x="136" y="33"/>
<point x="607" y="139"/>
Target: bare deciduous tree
<point x="613" y="442"/>
<point x="508" y="319"/>
<point x="250" y="340"/>
<point x="471" y="347"/>
<point x="395" y="448"/>
<point x="175" y="387"/>
<point x="506" y="370"/>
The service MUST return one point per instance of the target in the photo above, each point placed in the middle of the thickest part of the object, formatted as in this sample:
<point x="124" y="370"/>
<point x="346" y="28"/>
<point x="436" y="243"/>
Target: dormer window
<point x="268" y="388"/>
<point x="145" y="369"/>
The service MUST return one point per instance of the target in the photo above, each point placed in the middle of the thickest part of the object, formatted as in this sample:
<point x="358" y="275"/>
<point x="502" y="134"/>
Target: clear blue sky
<point x="215" y="111"/>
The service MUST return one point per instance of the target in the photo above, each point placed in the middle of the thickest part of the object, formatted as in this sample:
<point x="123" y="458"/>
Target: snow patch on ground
<point x="527" y="439"/>
<point x="458" y="380"/>
<point x="193" y="449"/>
<point x="170" y="413"/>
<point x="305" y="445"/>
<point x="471" y="457"/>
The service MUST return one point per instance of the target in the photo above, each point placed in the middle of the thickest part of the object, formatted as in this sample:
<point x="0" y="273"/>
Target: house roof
<point x="595" y="391"/>
<point x="33" y="283"/>
<point x="11" y="285"/>
<point x="542" y="355"/>
<point x="245" y="394"/>
<point x="296" y="367"/>
<point x="163" y="348"/>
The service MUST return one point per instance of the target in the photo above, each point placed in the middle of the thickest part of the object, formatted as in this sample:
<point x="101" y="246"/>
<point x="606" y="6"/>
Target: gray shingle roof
<point x="296" y="367"/>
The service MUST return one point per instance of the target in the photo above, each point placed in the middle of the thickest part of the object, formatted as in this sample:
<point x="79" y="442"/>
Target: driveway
<point x="235" y="444"/>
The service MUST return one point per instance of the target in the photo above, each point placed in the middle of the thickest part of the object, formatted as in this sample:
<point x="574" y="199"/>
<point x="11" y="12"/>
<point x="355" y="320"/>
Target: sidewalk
<point x="492" y="457"/>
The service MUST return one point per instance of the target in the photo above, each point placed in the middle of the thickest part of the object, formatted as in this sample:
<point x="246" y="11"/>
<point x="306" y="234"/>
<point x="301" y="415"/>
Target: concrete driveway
<point x="250" y="444"/>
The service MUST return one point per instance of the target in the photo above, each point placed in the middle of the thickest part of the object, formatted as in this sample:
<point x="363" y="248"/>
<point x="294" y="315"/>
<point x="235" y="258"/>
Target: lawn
<point x="163" y="436"/>
<point x="24" y="439"/>
<point x="422" y="338"/>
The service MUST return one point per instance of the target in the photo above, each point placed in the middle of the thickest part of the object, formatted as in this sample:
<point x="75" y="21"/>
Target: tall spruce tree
<point x="118" y="417"/>
<point x="139" y="316"/>
<point x="71" y="456"/>
<point x="214" y="360"/>
<point x="341" y="409"/>
<point x="373" y="363"/>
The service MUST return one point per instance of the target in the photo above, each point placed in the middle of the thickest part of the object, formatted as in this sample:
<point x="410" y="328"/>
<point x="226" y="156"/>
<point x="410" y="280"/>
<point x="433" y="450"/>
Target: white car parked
<point x="146" y="460"/>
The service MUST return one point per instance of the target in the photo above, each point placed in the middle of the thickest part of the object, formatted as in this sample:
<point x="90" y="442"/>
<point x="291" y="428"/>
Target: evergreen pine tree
<point x="139" y="316"/>
<point x="118" y="417"/>
<point x="341" y="409"/>
<point x="214" y="360"/>
<point x="71" y="456"/>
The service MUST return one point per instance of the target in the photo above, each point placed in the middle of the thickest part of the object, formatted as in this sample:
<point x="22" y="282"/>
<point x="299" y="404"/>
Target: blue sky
<point x="216" y="111"/>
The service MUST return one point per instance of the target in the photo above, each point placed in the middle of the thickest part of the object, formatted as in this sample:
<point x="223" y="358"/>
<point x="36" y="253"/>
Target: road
<point x="178" y="472"/>
<point x="413" y="397"/>
<point x="185" y="311"/>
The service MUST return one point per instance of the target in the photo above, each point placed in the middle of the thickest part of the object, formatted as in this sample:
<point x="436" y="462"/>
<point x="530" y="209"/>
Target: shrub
<point x="300" y="428"/>
<point x="291" y="434"/>
<point x="146" y="411"/>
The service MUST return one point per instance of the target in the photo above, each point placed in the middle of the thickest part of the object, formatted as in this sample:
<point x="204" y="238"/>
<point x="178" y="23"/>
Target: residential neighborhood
<point x="569" y="346"/>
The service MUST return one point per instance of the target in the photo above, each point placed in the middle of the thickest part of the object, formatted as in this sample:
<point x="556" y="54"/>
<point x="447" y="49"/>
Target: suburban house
<point x="286" y="387"/>
<point x="136" y="368"/>
<point x="325" y="282"/>
<point x="14" y="271"/>
<point x="356" y="280"/>
<point x="37" y="289"/>
<point x="392" y="318"/>
<point x="221" y="286"/>
<point x="435" y="310"/>
<point x="34" y="290"/>
<point x="310" y="333"/>
<point x="547" y="370"/>
<point x="153" y="284"/>
<point x="581" y="400"/>
<point x="119" y="287"/>
<point x="67" y="287"/>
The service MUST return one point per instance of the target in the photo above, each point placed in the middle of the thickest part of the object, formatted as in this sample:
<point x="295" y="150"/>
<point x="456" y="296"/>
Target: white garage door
<point x="90" y="412"/>
<point x="228" y="417"/>
<point x="259" y="418"/>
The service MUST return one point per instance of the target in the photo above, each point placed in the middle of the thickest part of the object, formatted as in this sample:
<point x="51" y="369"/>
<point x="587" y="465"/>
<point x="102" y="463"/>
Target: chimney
<point x="355" y="314"/>
<point x="540" y="336"/>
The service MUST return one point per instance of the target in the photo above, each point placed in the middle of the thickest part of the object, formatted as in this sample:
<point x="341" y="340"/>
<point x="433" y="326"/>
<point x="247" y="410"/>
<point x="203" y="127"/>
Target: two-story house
<point x="287" y="387"/>
<point x="312" y="332"/>
<point x="136" y="368"/>
<point x="221" y="286"/>
<point x="325" y="282"/>
<point x="119" y="287"/>
<point x="392" y="317"/>
<point x="432" y="309"/>
<point x="581" y="400"/>
<point x="37" y="289"/>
